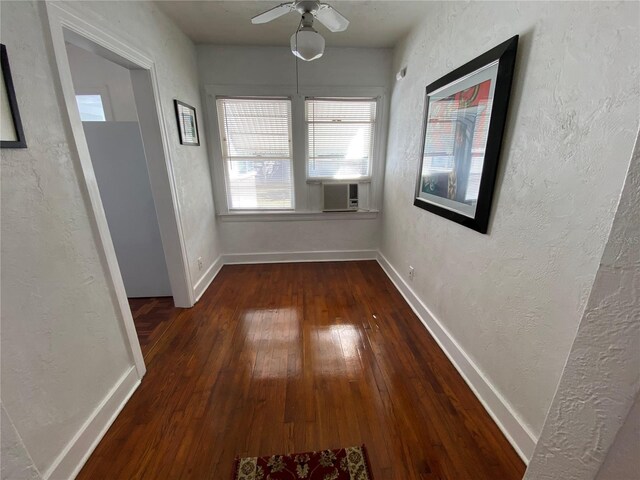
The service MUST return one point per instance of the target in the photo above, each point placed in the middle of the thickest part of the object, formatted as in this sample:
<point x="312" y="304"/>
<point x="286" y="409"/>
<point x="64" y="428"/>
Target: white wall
<point x="63" y="346"/>
<point x="622" y="461"/>
<point x="233" y="65"/>
<point x="260" y="67"/>
<point x="120" y="166"/>
<point x="601" y="379"/>
<point x="15" y="462"/>
<point x="512" y="299"/>
<point x="93" y="74"/>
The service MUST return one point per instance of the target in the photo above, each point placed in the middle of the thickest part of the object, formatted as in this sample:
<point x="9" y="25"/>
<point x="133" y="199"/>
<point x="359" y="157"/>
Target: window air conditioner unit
<point x="339" y="197"/>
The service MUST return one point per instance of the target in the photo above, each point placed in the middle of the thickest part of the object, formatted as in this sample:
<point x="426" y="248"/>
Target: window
<point x="340" y="136"/>
<point x="255" y="136"/>
<point x="278" y="145"/>
<point x="90" y="108"/>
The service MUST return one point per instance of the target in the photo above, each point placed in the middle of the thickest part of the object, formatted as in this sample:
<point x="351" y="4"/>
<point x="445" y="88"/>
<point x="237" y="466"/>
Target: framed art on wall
<point x="11" y="133"/>
<point x="187" y="123"/>
<point x="464" y="118"/>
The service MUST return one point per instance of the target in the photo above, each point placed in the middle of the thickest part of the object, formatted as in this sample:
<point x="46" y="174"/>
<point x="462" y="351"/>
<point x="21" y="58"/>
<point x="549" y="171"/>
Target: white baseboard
<point x="201" y="285"/>
<point x="77" y="451"/>
<point x="517" y="433"/>
<point x="287" y="257"/>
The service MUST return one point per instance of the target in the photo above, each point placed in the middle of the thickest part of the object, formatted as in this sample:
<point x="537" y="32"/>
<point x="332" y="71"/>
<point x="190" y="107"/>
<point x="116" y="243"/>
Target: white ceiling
<point x="373" y="23"/>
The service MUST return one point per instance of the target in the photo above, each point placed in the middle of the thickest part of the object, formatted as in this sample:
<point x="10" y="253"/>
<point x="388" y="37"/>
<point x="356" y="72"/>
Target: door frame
<point x="63" y="24"/>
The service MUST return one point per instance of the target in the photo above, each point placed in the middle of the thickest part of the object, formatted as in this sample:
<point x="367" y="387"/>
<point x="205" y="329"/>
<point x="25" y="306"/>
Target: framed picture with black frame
<point x="11" y="132"/>
<point x="464" y="119"/>
<point x="187" y="123"/>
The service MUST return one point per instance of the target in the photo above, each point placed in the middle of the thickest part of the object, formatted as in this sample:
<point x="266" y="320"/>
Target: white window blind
<point x="340" y="135"/>
<point x="256" y="149"/>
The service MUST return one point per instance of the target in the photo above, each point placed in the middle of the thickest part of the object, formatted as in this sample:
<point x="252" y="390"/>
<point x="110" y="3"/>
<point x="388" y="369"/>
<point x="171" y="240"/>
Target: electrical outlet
<point x="412" y="272"/>
<point x="199" y="263"/>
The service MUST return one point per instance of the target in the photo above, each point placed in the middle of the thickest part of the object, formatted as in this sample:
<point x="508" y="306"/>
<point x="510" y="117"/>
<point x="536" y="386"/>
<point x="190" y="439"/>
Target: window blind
<point x="340" y="135"/>
<point x="256" y="150"/>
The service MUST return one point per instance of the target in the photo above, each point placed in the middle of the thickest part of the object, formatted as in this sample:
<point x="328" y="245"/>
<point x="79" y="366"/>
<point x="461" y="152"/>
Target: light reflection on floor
<point x="338" y="347"/>
<point x="274" y="336"/>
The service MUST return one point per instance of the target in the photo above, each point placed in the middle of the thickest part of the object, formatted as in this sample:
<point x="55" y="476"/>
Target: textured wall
<point x="15" y="462"/>
<point x="232" y="65"/>
<point x="513" y="298"/>
<point x="62" y="344"/>
<point x="623" y="462"/>
<point x="601" y="379"/>
<point x="300" y="236"/>
<point x="143" y="25"/>
<point x="275" y="66"/>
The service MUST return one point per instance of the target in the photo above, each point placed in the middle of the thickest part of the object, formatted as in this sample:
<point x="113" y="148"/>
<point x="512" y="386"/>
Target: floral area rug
<point x="341" y="464"/>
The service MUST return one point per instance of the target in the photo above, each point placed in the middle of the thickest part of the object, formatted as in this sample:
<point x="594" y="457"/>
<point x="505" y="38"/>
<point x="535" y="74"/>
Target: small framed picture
<point x="187" y="123"/>
<point x="464" y="119"/>
<point x="11" y="133"/>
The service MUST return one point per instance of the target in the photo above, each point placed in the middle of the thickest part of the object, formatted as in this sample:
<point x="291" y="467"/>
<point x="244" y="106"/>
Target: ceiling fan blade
<point x="273" y="13"/>
<point x="331" y="18"/>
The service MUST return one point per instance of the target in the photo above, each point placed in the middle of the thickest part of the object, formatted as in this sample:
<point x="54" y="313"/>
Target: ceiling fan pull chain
<point x="297" y="77"/>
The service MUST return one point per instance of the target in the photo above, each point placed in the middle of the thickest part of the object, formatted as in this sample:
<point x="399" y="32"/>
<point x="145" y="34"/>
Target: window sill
<point x="296" y="216"/>
<point x="318" y="181"/>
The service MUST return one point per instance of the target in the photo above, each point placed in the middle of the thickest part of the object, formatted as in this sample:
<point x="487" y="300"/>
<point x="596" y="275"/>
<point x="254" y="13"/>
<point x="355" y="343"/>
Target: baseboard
<point x="517" y="433"/>
<point x="77" y="451"/>
<point x="201" y="285"/>
<point x="287" y="257"/>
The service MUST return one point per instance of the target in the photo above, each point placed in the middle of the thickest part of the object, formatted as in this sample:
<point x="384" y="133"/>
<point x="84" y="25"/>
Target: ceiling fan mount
<point x="306" y="42"/>
<point x="307" y="6"/>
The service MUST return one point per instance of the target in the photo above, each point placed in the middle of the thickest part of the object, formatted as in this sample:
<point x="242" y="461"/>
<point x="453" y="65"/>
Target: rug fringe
<point x="234" y="471"/>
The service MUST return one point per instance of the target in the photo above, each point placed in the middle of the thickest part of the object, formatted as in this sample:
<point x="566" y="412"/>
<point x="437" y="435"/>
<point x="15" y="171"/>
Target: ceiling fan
<point x="306" y="42"/>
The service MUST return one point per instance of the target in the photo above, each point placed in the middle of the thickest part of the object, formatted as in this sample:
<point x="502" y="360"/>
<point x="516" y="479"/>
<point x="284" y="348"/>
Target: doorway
<point x="107" y="107"/>
<point x="119" y="158"/>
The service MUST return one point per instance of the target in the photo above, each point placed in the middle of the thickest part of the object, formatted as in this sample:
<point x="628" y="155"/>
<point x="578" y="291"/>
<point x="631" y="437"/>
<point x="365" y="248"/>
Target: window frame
<point x="307" y="192"/>
<point x="224" y="159"/>
<point x="372" y="147"/>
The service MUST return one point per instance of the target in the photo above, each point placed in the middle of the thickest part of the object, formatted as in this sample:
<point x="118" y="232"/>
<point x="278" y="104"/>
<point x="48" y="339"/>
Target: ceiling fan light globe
<point x="307" y="45"/>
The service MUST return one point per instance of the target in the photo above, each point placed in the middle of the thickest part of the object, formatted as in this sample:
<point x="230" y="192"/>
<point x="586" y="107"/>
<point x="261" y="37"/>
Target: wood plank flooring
<point x="293" y="357"/>
<point x="152" y="317"/>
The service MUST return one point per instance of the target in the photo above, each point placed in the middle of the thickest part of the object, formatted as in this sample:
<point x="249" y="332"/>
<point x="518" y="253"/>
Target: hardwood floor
<point x="152" y="317"/>
<point x="293" y="357"/>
